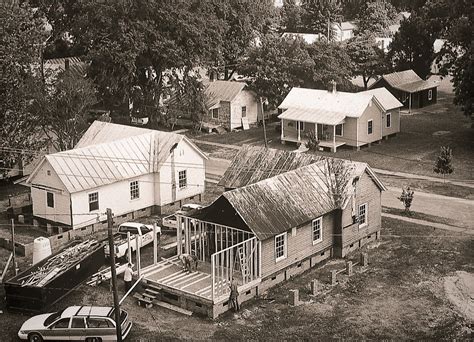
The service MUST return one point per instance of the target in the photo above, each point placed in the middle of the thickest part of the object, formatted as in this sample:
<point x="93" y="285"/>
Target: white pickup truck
<point x="144" y="232"/>
<point x="170" y="221"/>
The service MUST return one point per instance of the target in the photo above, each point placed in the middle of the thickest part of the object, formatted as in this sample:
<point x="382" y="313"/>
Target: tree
<point x="443" y="161"/>
<point x="276" y="66"/>
<point x="368" y="59"/>
<point x="375" y="17"/>
<point x="407" y="198"/>
<point x="291" y="16"/>
<point x="132" y="43"/>
<point x="63" y="109"/>
<point x="412" y="46"/>
<point x="313" y="141"/>
<point x="189" y="100"/>
<point x="319" y="15"/>
<point x="457" y="54"/>
<point x="21" y="38"/>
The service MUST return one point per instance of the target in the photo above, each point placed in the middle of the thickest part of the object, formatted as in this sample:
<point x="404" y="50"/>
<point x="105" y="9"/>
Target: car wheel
<point x="35" y="337"/>
<point x="93" y="339"/>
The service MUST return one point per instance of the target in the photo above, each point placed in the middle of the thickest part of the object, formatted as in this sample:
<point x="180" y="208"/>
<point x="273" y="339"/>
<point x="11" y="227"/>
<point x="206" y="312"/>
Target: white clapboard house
<point x="133" y="171"/>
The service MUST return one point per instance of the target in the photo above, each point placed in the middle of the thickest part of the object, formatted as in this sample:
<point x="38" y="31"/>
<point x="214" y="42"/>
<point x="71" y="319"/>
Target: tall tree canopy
<point x="375" y="17"/>
<point x="369" y="60"/>
<point x="21" y="39"/>
<point x="318" y="14"/>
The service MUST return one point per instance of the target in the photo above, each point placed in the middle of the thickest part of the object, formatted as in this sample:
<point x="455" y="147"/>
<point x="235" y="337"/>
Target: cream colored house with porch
<point x="339" y="118"/>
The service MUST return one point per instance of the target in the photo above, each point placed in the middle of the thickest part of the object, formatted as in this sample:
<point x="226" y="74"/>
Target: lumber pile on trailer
<point x="58" y="264"/>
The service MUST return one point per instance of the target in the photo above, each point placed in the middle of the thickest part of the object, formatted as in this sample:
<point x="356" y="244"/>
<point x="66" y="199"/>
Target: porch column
<point x="282" y="125"/>
<point x="298" y="129"/>
<point x="333" y="138"/>
<point x="409" y="103"/>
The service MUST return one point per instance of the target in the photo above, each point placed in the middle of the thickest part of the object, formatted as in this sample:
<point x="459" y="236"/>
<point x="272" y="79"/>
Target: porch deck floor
<point x="170" y="273"/>
<point x="322" y="143"/>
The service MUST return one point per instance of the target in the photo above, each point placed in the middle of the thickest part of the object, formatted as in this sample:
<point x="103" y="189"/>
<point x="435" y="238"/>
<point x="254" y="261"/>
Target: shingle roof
<point x="224" y="90"/>
<point x="385" y="98"/>
<point x="254" y="163"/>
<point x="349" y="104"/>
<point x="408" y="81"/>
<point x="108" y="153"/>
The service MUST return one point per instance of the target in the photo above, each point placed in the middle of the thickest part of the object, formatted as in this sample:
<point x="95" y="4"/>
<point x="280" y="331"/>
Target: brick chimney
<point x="66" y="64"/>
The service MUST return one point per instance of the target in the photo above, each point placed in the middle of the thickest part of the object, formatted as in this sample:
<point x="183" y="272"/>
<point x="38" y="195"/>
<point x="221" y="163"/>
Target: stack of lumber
<point x="58" y="264"/>
<point x="106" y="274"/>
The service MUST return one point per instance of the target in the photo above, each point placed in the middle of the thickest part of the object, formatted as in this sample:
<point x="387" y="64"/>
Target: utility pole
<point x="110" y="224"/>
<point x="263" y="122"/>
<point x="13" y="247"/>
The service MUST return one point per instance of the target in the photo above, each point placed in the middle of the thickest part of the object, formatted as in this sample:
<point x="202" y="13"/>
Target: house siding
<point x="395" y="122"/>
<point x="418" y="100"/>
<point x="248" y="99"/>
<point x="350" y="132"/>
<point x="224" y="115"/>
<point x="366" y="192"/>
<point x="372" y="112"/>
<point x="299" y="247"/>
<point x="61" y="212"/>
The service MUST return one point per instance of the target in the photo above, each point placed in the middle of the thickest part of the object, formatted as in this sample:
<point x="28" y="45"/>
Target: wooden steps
<point x="148" y="297"/>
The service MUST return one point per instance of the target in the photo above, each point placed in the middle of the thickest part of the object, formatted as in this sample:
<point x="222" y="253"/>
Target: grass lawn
<point x="419" y="216"/>
<point x="401" y="296"/>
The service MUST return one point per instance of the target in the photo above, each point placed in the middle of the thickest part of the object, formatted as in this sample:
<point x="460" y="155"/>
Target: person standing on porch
<point x="234" y="296"/>
<point x="127" y="277"/>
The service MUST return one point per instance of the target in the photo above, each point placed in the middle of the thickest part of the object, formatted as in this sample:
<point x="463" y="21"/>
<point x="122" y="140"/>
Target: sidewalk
<point x="430" y="224"/>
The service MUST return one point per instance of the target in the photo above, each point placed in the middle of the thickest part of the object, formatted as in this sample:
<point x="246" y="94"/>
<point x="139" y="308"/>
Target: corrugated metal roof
<point x="100" y="132"/>
<point x="255" y="163"/>
<point x="96" y="165"/>
<point x="224" y="90"/>
<point x="76" y="65"/>
<point x="275" y="205"/>
<point x="348" y="25"/>
<point x="385" y="98"/>
<point x="349" y="104"/>
<point x="313" y="116"/>
<point x="408" y="81"/>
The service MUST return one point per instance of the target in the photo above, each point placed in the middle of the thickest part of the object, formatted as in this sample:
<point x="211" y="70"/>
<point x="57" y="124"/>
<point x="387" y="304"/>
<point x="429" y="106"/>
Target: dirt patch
<point x="441" y="133"/>
<point x="460" y="292"/>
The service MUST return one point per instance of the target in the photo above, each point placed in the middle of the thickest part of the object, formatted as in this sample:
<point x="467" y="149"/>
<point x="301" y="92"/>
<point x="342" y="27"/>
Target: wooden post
<point x="137" y="241"/>
<point x="333" y="277"/>
<point x="263" y="122"/>
<point x="295" y="297"/>
<point x="213" y="269"/>
<point x="409" y="103"/>
<point x="15" y="269"/>
<point x="314" y="287"/>
<point x="114" y="274"/>
<point x="155" y="245"/>
<point x="334" y="138"/>
<point x="129" y="248"/>
<point x="349" y="268"/>
<point x="364" y="259"/>
<point x="179" y="249"/>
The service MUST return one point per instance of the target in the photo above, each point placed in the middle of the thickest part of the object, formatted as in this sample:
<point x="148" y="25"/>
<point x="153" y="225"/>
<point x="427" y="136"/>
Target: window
<point x="94" y="201"/>
<point x="134" y="190"/>
<point x="215" y="113"/>
<point x="370" y="127"/>
<point x="340" y="130"/>
<point x="363" y="215"/>
<point x="93" y="322"/>
<point x="50" y="199"/>
<point x="280" y="247"/>
<point x="78" y="323"/>
<point x="182" y="178"/>
<point x="244" y="111"/>
<point x="389" y="120"/>
<point x="430" y="94"/>
<point x="301" y="123"/>
<point x="317" y="225"/>
<point x="125" y="229"/>
<point x="61" y="324"/>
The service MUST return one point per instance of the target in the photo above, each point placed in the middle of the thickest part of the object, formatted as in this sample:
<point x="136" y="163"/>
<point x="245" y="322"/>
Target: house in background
<point x="338" y="118"/>
<point x="232" y="105"/>
<point x="268" y="231"/>
<point x="409" y="88"/>
<point x="131" y="170"/>
<point x="309" y="38"/>
<point x="343" y="30"/>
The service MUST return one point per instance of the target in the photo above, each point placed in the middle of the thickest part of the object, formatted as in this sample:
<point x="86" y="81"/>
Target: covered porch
<point x="296" y="123"/>
<point x="224" y="254"/>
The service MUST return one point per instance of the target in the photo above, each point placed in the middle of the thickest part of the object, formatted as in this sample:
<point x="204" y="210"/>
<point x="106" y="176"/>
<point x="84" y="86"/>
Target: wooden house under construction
<point x="266" y="232"/>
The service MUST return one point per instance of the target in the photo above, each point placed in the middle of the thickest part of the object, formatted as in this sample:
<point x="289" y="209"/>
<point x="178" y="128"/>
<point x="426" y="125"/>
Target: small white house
<point x="128" y="169"/>
<point x="231" y="104"/>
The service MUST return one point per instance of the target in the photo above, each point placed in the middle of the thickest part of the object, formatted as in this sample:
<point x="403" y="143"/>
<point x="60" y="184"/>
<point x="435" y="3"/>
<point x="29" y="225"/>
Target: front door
<point x="58" y="331"/>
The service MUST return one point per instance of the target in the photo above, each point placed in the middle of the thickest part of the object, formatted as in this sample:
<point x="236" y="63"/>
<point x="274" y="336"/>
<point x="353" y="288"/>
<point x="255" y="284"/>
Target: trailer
<point x="42" y="285"/>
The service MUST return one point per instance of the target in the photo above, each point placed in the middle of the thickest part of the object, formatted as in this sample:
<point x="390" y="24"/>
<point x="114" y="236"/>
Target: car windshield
<point x="54" y="316"/>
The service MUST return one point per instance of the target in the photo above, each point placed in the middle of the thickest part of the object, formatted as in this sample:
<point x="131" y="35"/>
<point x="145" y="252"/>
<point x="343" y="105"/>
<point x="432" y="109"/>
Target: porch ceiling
<point x="317" y="116"/>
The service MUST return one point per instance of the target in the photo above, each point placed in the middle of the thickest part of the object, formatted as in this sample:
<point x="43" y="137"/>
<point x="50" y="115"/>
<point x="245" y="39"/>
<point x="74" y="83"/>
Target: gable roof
<point x="309" y="38"/>
<point x="255" y="163"/>
<point x="224" y="90"/>
<point x="275" y="205"/>
<point x="326" y="102"/>
<point x="102" y="159"/>
<point x="407" y="81"/>
<point x="76" y="65"/>
<point x="385" y="98"/>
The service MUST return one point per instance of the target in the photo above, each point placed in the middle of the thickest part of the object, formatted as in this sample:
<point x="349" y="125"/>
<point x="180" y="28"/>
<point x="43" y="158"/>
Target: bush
<point x="313" y="142"/>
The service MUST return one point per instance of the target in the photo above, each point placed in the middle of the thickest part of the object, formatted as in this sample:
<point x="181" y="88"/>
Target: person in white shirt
<point x="127" y="277"/>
